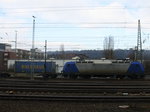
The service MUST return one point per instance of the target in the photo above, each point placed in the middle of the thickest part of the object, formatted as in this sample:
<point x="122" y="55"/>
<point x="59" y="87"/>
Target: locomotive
<point x="117" y="68"/>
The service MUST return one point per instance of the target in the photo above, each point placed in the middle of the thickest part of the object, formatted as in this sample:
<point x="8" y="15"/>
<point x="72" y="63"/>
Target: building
<point x="38" y="54"/>
<point x="5" y="47"/>
<point x="26" y="54"/>
<point x="22" y="54"/>
<point x="6" y="53"/>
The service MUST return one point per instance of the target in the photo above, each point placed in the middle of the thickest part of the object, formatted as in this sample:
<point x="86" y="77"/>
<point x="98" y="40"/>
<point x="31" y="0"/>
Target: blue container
<point x="38" y="67"/>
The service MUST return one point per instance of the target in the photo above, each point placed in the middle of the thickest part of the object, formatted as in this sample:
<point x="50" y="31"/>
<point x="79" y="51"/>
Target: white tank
<point x="103" y="68"/>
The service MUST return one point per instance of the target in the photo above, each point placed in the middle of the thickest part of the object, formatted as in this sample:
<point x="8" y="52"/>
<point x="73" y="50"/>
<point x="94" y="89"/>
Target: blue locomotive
<point x="120" y="69"/>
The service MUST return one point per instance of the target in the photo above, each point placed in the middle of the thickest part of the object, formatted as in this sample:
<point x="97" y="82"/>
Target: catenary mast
<point x="139" y="44"/>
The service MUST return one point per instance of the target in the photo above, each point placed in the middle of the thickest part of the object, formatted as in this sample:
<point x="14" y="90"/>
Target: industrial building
<point x="6" y="53"/>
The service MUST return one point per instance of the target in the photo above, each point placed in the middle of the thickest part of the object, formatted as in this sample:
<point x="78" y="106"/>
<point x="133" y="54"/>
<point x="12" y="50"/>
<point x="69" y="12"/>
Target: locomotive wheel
<point x="120" y="76"/>
<point x="86" y="77"/>
<point x="142" y="76"/>
<point x="73" y="76"/>
<point x="133" y="76"/>
<point x="65" y="75"/>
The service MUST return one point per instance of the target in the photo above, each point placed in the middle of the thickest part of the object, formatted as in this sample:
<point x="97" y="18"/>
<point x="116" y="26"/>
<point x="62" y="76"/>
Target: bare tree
<point x="109" y="47"/>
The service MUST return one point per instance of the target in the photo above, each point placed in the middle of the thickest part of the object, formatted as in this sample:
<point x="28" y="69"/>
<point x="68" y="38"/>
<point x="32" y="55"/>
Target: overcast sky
<point x="78" y="24"/>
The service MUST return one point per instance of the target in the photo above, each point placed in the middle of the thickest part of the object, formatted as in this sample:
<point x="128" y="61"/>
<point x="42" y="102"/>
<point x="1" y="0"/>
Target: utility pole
<point x="139" y="44"/>
<point x="15" y="49"/>
<point x="33" y="50"/>
<point x="62" y="53"/>
<point x="16" y="43"/>
<point x="45" y="55"/>
<point x="33" y="32"/>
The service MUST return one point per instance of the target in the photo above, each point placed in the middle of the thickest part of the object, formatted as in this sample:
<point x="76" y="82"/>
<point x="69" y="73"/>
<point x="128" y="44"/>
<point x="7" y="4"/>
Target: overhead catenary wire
<point x="64" y="9"/>
<point x="75" y="7"/>
<point x="105" y="22"/>
<point x="75" y="27"/>
<point x="114" y="24"/>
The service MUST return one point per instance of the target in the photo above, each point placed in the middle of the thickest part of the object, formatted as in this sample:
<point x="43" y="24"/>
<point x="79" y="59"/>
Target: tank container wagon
<point x="118" y="68"/>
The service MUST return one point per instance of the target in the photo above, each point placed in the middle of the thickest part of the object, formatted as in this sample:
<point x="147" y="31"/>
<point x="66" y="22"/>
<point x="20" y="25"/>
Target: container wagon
<point x="46" y="69"/>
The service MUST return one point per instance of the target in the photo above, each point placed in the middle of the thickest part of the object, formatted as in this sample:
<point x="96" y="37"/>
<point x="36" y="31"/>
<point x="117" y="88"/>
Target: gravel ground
<point x="44" y="106"/>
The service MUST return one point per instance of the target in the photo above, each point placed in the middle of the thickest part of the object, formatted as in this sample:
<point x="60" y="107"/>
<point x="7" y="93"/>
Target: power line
<point x="48" y="7"/>
<point x="81" y="23"/>
<point x="76" y="7"/>
<point x="60" y="9"/>
<point x="124" y="27"/>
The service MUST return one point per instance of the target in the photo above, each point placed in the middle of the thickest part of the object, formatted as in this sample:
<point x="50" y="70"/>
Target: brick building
<point x="6" y="53"/>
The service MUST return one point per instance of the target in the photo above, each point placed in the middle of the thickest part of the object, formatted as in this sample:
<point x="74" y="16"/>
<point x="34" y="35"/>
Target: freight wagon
<point x="46" y="69"/>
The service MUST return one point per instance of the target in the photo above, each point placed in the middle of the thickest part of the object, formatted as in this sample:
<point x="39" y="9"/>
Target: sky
<point x="76" y="24"/>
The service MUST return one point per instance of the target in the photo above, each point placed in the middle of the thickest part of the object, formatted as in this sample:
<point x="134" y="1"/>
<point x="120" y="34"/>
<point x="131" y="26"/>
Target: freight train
<point x="118" y="68"/>
<point x="81" y="69"/>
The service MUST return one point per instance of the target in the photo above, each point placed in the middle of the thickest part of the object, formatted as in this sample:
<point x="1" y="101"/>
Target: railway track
<point x="77" y="87"/>
<point x="75" y="91"/>
<point x="77" y="98"/>
<point x="72" y="82"/>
